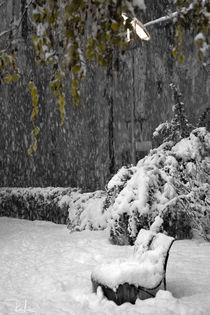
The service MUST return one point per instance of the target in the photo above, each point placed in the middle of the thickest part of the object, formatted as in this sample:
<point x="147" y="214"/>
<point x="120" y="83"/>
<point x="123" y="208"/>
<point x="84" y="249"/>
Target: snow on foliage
<point x="35" y="203"/>
<point x="140" y="4"/>
<point x="56" y="204"/>
<point x="178" y="128"/>
<point x="173" y="181"/>
<point x="86" y="211"/>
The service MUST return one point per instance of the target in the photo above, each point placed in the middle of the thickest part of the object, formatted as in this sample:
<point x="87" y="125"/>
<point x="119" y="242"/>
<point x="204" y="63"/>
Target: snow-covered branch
<point x="162" y="19"/>
<point x="165" y="183"/>
<point x="174" y="201"/>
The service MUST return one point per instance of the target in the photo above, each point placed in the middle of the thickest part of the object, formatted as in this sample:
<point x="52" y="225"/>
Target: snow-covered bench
<point x="122" y="281"/>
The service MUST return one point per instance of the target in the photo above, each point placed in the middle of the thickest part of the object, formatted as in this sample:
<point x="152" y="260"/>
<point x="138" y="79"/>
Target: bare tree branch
<point x="162" y="19"/>
<point x="17" y="26"/>
<point x="5" y="32"/>
<point x="2" y="3"/>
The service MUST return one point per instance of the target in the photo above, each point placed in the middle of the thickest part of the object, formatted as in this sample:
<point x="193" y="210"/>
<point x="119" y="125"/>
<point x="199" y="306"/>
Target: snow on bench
<point x="122" y="280"/>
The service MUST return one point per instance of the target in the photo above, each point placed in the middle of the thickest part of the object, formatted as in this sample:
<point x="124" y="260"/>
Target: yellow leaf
<point x="34" y="101"/>
<point x="8" y="79"/>
<point x="62" y="117"/>
<point x="34" y="112"/>
<point x="76" y="100"/>
<point x="181" y="58"/>
<point x="73" y="92"/>
<point x="29" y="151"/>
<point x="61" y="103"/>
<point x="35" y="146"/>
<point x="36" y="131"/>
<point x="15" y="77"/>
<point x="108" y="36"/>
<point x="34" y="38"/>
<point x="75" y="84"/>
<point x="6" y="59"/>
<point x="31" y="85"/>
<point x="200" y="54"/>
<point x="90" y="53"/>
<point x="174" y="53"/>
<point x="76" y="68"/>
<point x="90" y="42"/>
<point x="199" y="42"/>
<point x="115" y="27"/>
<point x="34" y="92"/>
<point x="59" y="76"/>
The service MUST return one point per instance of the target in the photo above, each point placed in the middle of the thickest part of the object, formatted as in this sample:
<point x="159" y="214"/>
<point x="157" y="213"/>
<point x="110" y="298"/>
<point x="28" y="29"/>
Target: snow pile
<point x="173" y="181"/>
<point x="46" y="270"/>
<point x="86" y="211"/>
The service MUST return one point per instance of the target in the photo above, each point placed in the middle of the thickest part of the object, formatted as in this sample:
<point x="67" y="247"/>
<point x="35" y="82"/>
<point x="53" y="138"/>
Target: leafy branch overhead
<point x="195" y="16"/>
<point x="67" y="34"/>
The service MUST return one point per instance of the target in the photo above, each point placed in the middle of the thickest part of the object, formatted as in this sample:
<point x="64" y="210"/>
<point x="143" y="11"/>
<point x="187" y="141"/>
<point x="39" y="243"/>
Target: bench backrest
<point x="149" y="241"/>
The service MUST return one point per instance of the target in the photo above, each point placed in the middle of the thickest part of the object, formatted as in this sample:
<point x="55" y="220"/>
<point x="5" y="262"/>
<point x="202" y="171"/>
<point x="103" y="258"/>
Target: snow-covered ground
<point x="45" y="270"/>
